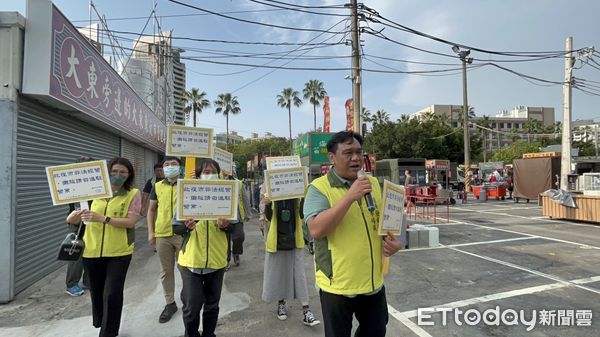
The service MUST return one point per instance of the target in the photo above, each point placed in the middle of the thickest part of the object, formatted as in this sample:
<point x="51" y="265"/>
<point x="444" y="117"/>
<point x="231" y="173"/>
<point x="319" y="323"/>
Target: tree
<point x="285" y="100"/>
<point x="380" y="117"/>
<point x="532" y="126"/>
<point x="366" y="117"/>
<point x="227" y="104"/>
<point x="461" y="114"/>
<point x="514" y="151"/>
<point x="315" y="93"/>
<point x="194" y="101"/>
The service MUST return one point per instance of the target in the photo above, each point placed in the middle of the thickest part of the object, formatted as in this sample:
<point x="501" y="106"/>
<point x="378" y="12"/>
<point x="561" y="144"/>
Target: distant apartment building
<point x="234" y="137"/>
<point x="255" y="137"/>
<point x="162" y="84"/>
<point x="504" y="122"/>
<point x="586" y="131"/>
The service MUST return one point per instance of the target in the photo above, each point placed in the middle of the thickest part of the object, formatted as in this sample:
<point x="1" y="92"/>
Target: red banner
<point x="327" y="114"/>
<point x="349" y="115"/>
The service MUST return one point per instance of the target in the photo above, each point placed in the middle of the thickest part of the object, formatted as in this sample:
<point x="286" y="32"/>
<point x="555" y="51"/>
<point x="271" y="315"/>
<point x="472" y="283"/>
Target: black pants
<point x="75" y="268"/>
<point x="236" y="239"/>
<point x="107" y="280"/>
<point x="201" y="291"/>
<point x="370" y="311"/>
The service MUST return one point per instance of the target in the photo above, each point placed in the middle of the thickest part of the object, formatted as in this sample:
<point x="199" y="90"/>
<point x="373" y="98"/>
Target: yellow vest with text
<point x="206" y="247"/>
<point x="348" y="261"/>
<point x="166" y="196"/>
<point x="271" y="242"/>
<point x="106" y="240"/>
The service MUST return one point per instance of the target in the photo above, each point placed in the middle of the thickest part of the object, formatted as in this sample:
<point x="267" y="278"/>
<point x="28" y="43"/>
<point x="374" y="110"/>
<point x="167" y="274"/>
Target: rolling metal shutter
<point x="45" y="138"/>
<point x="137" y="156"/>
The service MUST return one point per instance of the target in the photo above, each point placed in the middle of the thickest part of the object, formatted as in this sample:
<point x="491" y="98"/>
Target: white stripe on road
<point x="506" y="294"/>
<point x="544" y="219"/>
<point x="407" y="322"/>
<point x="441" y="246"/>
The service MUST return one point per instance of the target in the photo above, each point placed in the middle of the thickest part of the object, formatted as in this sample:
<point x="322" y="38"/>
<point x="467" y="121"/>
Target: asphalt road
<point x="496" y="255"/>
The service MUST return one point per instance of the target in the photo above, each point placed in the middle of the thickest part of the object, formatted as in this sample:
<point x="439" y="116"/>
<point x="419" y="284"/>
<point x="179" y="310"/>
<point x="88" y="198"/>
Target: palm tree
<point x="285" y="100"/>
<point x="227" y="104"/>
<point x="194" y="101"/>
<point x="380" y="117"/>
<point x="461" y="114"/>
<point x="366" y="117"/>
<point x="315" y="93"/>
<point x="532" y="126"/>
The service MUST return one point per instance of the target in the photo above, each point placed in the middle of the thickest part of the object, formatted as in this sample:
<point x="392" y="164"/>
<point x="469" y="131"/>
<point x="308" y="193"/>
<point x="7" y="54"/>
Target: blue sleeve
<point x="314" y="203"/>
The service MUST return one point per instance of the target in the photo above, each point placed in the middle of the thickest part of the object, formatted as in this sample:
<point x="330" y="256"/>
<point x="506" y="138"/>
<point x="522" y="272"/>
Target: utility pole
<point x="356" y="69"/>
<point x="565" y="161"/>
<point x="463" y="55"/>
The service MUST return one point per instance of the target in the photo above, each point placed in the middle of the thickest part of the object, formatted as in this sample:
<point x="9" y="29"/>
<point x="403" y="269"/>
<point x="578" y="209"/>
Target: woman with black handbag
<point x="108" y="239"/>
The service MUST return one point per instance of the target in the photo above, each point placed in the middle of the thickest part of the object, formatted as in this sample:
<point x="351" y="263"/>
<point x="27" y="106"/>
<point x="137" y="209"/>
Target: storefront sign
<point x="318" y="148"/>
<point x="78" y="182"/>
<point x="392" y="219"/>
<point x="224" y="159"/>
<point x="275" y="163"/>
<point x="286" y="183"/>
<point x="62" y="67"/>
<point x="207" y="199"/>
<point x="187" y="141"/>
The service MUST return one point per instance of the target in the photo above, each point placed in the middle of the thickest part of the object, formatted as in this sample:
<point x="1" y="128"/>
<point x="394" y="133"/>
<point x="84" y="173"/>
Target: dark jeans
<point x="370" y="311"/>
<point x="201" y="291"/>
<point x="75" y="268"/>
<point x="107" y="280"/>
<point x="237" y="238"/>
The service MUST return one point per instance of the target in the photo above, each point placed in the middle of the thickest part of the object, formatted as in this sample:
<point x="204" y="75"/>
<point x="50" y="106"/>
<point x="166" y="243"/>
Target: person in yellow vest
<point x="202" y="261"/>
<point x="236" y="227"/>
<point x="348" y="251"/>
<point x="160" y="220"/>
<point x="108" y="239"/>
<point x="284" y="276"/>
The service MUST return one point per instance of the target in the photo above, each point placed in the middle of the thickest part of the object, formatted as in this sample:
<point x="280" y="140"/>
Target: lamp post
<point x="463" y="55"/>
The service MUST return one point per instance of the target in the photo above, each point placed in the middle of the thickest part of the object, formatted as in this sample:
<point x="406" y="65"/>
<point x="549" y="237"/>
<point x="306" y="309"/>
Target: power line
<point x="185" y="15"/>
<point x="297" y="9"/>
<point x="253" y="22"/>
<point x="310" y="7"/>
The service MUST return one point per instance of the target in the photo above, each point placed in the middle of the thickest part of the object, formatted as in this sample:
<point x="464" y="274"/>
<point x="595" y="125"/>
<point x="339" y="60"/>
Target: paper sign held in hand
<point x="186" y="141"/>
<point x="207" y="199"/>
<point x="224" y="159"/>
<point x="78" y="182"/>
<point x="275" y="163"/>
<point x="287" y="183"/>
<point x="392" y="219"/>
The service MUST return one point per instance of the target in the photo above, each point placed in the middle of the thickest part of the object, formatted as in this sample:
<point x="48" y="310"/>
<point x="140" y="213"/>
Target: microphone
<point x="368" y="197"/>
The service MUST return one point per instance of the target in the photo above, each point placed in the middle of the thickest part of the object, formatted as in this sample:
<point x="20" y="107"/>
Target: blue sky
<point x="509" y="25"/>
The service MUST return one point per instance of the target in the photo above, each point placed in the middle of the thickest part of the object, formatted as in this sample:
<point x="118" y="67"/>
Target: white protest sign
<point x="224" y="159"/>
<point x="392" y="219"/>
<point x="207" y="199"/>
<point x="187" y="141"/>
<point x="78" y="182"/>
<point x="287" y="183"/>
<point x="275" y="163"/>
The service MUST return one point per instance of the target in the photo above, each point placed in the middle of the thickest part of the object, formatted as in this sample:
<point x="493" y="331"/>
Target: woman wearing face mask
<point x="108" y="239"/>
<point x="202" y="261"/>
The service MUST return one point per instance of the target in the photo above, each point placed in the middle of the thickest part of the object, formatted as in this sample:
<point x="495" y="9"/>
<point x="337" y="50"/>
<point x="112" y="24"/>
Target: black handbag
<point x="72" y="247"/>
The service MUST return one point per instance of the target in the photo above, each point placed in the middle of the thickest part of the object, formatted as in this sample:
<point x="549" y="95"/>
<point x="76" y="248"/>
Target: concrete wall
<point x="12" y="25"/>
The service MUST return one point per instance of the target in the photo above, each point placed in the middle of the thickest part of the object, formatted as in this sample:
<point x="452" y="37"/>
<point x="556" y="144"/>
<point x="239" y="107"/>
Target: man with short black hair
<point x="158" y="177"/>
<point x="161" y="216"/>
<point x="348" y="250"/>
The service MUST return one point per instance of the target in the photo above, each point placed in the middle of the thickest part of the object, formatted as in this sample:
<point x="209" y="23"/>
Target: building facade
<point x="60" y="100"/>
<point x="234" y="137"/>
<point x="506" y="125"/>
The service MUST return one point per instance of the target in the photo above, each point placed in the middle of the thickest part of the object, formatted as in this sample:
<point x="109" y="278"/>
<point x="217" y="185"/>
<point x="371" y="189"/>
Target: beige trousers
<point x="168" y="250"/>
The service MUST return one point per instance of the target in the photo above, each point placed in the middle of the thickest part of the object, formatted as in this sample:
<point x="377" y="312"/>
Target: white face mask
<point x="209" y="176"/>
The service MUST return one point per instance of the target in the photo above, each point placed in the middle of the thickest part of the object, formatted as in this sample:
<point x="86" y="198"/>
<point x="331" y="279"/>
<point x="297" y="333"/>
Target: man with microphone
<point x="342" y="216"/>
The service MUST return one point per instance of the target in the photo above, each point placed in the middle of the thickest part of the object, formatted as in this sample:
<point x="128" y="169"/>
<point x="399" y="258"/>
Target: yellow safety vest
<point x="106" y="240"/>
<point x="348" y="260"/>
<point x="271" y="242"/>
<point x="166" y="195"/>
<point x="205" y="248"/>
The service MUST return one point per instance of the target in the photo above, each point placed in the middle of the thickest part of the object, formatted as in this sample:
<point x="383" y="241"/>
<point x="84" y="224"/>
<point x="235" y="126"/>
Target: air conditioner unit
<point x="591" y="184"/>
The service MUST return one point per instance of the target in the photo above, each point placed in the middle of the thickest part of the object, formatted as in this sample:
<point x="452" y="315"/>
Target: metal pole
<point x="356" y="71"/>
<point x="466" y="126"/>
<point x="565" y="161"/>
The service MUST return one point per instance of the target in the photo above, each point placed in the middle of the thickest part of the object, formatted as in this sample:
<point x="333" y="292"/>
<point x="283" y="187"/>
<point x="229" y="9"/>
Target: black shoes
<point x="167" y="312"/>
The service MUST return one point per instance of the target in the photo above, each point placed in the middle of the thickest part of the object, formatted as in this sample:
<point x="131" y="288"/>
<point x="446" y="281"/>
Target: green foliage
<point x="586" y="149"/>
<point x="515" y="151"/>
<point x="247" y="149"/>
<point x="430" y="138"/>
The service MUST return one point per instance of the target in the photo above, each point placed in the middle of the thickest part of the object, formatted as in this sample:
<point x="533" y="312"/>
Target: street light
<point x="463" y="55"/>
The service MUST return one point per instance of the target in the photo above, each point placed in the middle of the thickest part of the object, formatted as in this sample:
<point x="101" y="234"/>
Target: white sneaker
<point x="309" y="319"/>
<point x="281" y="311"/>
